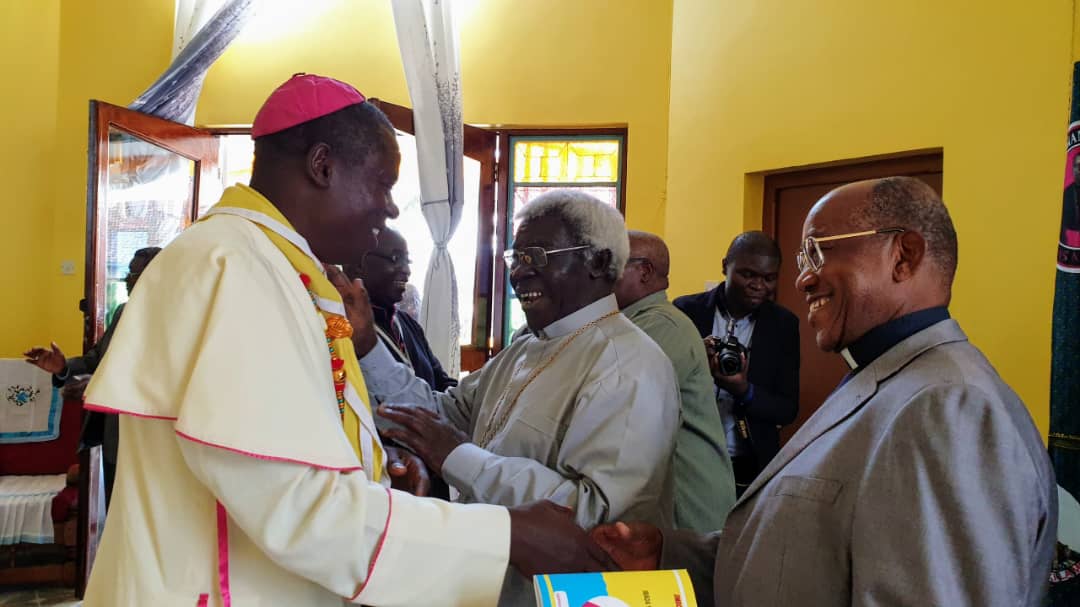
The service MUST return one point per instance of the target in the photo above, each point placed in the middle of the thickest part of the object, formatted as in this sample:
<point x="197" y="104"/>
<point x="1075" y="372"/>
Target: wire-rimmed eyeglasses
<point x="535" y="257"/>
<point x="810" y="256"/>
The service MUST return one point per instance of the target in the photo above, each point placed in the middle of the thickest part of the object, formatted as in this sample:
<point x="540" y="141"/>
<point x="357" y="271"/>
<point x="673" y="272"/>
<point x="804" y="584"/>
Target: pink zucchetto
<point x="303" y="98"/>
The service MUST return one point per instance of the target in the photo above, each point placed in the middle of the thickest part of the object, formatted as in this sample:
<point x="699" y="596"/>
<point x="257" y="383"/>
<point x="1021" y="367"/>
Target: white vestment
<point x="235" y="482"/>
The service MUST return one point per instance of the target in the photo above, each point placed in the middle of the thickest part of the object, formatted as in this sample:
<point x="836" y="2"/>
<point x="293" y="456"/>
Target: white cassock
<point x="236" y="484"/>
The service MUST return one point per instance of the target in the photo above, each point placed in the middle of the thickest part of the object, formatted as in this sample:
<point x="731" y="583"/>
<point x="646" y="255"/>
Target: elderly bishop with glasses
<point x="582" y="410"/>
<point x="921" y="480"/>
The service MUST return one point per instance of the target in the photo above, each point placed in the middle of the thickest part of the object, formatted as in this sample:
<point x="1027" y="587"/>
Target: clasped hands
<point x="545" y="538"/>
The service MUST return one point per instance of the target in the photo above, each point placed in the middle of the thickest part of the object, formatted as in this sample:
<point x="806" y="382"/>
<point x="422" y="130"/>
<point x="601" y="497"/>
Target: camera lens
<point x="730" y="363"/>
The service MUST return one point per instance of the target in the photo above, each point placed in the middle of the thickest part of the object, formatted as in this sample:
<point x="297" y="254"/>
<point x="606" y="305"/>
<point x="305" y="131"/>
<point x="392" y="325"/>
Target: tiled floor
<point x="38" y="597"/>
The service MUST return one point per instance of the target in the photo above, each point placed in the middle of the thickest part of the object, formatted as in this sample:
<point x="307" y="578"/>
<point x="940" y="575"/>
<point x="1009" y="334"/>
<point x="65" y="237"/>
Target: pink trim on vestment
<point x="223" y="555"/>
<point x="270" y="457"/>
<point x="204" y="600"/>
<point x="104" y="409"/>
<point x="378" y="549"/>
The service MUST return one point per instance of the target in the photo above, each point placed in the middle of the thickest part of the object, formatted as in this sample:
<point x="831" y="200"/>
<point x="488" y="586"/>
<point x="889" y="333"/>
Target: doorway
<point x="788" y="198"/>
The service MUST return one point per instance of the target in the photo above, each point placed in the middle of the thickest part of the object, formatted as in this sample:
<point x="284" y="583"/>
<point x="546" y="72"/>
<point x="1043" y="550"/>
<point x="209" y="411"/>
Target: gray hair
<point x="589" y="221"/>
<point x="909" y="203"/>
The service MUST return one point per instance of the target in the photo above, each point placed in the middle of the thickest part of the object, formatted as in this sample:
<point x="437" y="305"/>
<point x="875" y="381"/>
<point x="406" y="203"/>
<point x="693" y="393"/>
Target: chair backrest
<point x="48" y="457"/>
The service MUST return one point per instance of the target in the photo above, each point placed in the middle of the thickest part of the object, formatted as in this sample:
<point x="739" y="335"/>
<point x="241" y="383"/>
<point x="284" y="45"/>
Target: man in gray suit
<point x="920" y="481"/>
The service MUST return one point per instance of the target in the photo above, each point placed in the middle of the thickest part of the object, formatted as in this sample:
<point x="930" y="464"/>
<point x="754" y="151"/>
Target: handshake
<point x="544" y="538"/>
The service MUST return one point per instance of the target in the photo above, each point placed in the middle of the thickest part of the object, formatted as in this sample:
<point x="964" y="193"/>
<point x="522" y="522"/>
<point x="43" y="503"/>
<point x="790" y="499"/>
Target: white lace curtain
<point x="428" y="40"/>
<point x="204" y="29"/>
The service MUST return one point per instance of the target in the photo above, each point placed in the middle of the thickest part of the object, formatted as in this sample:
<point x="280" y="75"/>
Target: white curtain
<point x="191" y="16"/>
<point x="203" y="30"/>
<point x="428" y="40"/>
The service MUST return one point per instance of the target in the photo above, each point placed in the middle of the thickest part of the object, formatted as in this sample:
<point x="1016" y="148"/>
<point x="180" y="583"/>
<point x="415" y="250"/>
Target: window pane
<point x="566" y="161"/>
<point x="235" y="156"/>
<point x="147" y="203"/>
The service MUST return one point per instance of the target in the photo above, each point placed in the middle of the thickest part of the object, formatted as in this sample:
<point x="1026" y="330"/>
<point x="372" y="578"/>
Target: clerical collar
<point x="878" y="340"/>
<point x="575" y="320"/>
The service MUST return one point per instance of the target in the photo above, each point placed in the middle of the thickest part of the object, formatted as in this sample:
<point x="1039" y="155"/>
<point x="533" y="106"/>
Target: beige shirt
<point x="232" y="448"/>
<point x="595" y="430"/>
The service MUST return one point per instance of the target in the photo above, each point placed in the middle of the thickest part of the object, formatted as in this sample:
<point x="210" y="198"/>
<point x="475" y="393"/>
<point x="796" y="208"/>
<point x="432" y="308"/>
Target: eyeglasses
<point x="535" y="257"/>
<point x="398" y="259"/>
<point x="810" y="256"/>
<point x="630" y="260"/>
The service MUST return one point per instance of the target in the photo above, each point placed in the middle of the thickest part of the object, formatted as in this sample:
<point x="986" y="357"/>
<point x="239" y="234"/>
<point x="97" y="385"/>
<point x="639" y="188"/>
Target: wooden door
<point x="147" y="180"/>
<point x="788" y="199"/>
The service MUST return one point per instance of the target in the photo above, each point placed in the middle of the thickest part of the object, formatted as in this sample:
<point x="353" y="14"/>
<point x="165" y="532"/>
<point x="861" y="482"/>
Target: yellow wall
<point x="58" y="54"/>
<point x="768" y="84"/>
<point x="29" y="50"/>
<point x="109" y="50"/>
<point x="550" y="63"/>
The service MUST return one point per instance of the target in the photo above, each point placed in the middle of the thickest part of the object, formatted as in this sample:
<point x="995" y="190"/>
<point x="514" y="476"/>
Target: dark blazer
<point x="98" y="428"/>
<point x="774" y="365"/>
<point x="88" y="363"/>
<point x="425" y="365"/>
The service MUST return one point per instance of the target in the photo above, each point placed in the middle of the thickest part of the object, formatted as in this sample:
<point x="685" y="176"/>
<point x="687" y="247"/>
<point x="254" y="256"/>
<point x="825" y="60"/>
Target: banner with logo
<point x="1065" y="365"/>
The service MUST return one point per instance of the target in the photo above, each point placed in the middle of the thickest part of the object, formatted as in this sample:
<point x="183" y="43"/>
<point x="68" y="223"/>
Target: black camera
<point x="730" y="352"/>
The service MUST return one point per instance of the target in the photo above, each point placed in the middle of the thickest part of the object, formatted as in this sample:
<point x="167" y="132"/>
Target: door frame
<point x="913" y="164"/>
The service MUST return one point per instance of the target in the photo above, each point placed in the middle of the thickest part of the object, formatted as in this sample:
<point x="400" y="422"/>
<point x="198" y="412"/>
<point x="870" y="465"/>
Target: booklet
<point x="669" y="588"/>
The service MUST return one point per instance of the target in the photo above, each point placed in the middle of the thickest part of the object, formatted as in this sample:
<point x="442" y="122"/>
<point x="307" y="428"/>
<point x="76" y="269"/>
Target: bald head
<point x="646" y="270"/>
<point x="652" y="248"/>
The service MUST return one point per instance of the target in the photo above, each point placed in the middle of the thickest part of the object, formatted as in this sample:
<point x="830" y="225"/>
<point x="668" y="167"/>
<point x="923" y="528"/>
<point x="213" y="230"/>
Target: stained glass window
<point x="566" y="162"/>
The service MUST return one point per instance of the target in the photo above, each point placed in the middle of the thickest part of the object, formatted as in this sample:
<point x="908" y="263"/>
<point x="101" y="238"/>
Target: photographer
<point x="753" y="347"/>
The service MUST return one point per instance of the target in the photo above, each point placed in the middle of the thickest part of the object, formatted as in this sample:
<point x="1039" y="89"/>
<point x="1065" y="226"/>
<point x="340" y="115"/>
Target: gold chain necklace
<point x="503" y="408"/>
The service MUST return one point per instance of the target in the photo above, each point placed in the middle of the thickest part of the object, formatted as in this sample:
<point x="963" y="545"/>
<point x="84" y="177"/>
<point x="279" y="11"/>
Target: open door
<point x="148" y="179"/>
